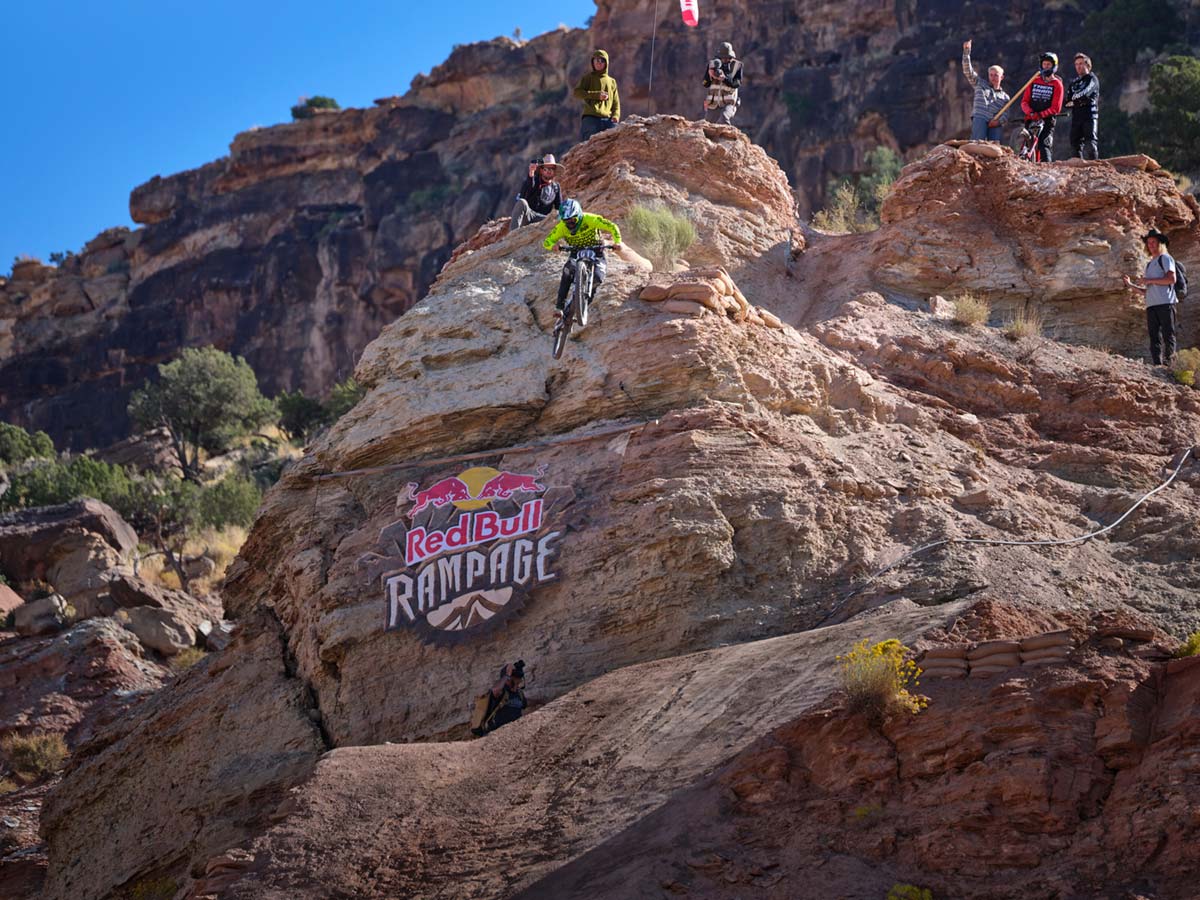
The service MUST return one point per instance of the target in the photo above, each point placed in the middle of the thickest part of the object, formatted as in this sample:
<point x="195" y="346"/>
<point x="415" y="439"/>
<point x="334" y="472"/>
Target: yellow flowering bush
<point x="878" y="679"/>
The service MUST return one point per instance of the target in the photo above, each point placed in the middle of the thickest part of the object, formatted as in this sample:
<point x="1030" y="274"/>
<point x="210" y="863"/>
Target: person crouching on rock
<point x="723" y="81"/>
<point x="601" y="100"/>
<point x="1158" y="284"/>
<point x="1042" y="102"/>
<point x="986" y="122"/>
<point x="540" y="195"/>
<point x="504" y="703"/>
<point x="1083" y="96"/>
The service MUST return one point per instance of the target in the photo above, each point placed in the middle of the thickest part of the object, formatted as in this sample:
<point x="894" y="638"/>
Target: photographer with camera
<point x="540" y="194"/>
<point x="504" y="703"/>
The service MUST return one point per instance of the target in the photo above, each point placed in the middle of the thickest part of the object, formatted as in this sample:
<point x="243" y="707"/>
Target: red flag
<point x="691" y="12"/>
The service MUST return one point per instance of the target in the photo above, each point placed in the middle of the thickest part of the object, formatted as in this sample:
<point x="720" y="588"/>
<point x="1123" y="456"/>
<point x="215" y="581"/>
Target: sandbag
<point x="699" y="293"/>
<point x="985" y="671"/>
<point x="987" y="648"/>
<point x="987" y="151"/>
<point x="730" y="287"/>
<point x="691" y="283"/>
<point x="686" y="307"/>
<point x="1049" y="639"/>
<point x="754" y="318"/>
<point x="654" y="292"/>
<point x="731" y="306"/>
<point x="942" y="662"/>
<point x="770" y="319"/>
<point x="945" y="653"/>
<point x="1046" y="653"/>
<point x="1047" y="661"/>
<point x="742" y="302"/>
<point x="943" y="672"/>
<point x="997" y="659"/>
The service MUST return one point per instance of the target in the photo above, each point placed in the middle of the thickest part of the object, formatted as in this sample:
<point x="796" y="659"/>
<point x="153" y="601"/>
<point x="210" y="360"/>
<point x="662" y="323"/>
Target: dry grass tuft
<point x="1025" y="324"/>
<point x="35" y="754"/>
<point x="185" y="659"/>
<point x="971" y="310"/>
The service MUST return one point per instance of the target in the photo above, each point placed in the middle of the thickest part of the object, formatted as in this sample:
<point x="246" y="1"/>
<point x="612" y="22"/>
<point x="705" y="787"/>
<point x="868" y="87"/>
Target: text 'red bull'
<point x="470" y="530"/>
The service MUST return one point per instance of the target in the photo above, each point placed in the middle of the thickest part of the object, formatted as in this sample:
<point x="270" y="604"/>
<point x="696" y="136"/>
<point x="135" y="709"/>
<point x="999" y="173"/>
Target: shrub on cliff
<point x="1185" y="366"/>
<point x="661" y="235"/>
<point x="970" y="310"/>
<point x="307" y="106"/>
<point x="1191" y="647"/>
<point x="1170" y="129"/>
<point x="35" y="754"/>
<point x="877" y="679"/>
<point x="18" y="445"/>
<point x="343" y="398"/>
<point x="855" y="202"/>
<point x="63" y="480"/>
<point x="206" y="399"/>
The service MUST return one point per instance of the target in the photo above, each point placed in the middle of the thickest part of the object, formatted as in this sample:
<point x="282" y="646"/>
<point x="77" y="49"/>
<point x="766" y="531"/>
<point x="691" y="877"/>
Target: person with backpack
<point x="1164" y="284"/>
<point x="1083" y="97"/>
<point x="1042" y="102"/>
<point x="601" y="100"/>
<point x="504" y="703"/>
<point x="986" y="122"/>
<point x="722" y="81"/>
<point x="540" y="194"/>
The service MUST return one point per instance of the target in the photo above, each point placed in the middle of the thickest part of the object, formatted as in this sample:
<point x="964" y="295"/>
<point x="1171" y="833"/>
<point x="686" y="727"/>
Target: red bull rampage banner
<point x="465" y="554"/>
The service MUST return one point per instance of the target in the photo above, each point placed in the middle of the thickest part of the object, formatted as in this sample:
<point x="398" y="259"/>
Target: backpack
<point x="1181" y="287"/>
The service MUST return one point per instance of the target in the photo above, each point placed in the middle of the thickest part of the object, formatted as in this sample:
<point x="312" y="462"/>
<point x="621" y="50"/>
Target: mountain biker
<point x="580" y="230"/>
<point x="1083" y="96"/>
<point x="540" y="194"/>
<point x="1042" y="102"/>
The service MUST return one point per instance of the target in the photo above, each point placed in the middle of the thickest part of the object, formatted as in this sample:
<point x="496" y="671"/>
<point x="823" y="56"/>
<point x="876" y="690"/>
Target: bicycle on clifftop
<point x="581" y="269"/>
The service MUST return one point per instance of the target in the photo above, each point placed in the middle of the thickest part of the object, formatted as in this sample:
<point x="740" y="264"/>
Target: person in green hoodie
<point x="601" y="102"/>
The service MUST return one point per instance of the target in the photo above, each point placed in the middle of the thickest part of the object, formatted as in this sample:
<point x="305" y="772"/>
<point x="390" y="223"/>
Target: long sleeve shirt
<point x="988" y="100"/>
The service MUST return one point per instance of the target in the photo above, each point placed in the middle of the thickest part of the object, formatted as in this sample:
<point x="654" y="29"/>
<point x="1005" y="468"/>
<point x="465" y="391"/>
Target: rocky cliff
<point x="675" y="525"/>
<point x="301" y="244"/>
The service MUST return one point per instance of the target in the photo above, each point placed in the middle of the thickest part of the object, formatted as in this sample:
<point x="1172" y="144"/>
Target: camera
<point x="519" y="669"/>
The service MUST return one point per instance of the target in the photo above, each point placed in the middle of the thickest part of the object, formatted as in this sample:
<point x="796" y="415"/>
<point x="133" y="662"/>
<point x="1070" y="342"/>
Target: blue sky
<point x="101" y="97"/>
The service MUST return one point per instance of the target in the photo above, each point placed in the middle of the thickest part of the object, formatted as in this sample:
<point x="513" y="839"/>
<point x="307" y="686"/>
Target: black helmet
<point x="1053" y="57"/>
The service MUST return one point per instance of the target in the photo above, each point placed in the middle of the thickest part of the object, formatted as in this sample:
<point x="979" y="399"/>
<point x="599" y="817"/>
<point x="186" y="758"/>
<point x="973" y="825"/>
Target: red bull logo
<point x="475" y="546"/>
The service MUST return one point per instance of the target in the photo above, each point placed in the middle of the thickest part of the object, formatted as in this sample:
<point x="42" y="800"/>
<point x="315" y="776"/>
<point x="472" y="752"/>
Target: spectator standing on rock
<point x="986" y="121"/>
<point x="723" y="80"/>
<point x="1083" y="96"/>
<point x="1042" y="102"/>
<point x="540" y="194"/>
<point x="601" y="100"/>
<point x="1158" y="284"/>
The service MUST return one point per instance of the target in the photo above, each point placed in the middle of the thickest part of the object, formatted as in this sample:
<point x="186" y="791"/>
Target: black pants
<point x="564" y="285"/>
<point x="1085" y="128"/>
<point x="1161" y="322"/>
<point x="1046" y="140"/>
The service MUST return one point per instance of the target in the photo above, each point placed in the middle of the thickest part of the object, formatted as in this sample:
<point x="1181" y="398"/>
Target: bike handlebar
<point x="566" y="248"/>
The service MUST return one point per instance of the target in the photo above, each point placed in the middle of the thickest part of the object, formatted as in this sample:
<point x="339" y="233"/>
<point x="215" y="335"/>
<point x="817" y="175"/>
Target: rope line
<point x="653" y="36"/>
<point x="996" y="542"/>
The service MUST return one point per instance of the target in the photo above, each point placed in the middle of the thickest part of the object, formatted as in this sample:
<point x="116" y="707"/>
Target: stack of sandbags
<point x="704" y="290"/>
<point x="1047" y="649"/>
<point x="944" y="662"/>
<point x="992" y="657"/>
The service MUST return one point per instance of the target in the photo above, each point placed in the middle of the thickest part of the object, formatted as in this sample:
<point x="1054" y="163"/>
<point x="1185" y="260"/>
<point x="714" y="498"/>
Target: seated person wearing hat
<point x="540" y="195"/>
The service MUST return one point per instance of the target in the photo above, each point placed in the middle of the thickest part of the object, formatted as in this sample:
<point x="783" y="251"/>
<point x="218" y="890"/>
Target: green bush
<point x="206" y="398"/>
<point x="18" y="445"/>
<point x="1185" y="366"/>
<point x="1170" y="129"/>
<point x="300" y="416"/>
<point x="1191" y="647"/>
<point x="35" y="754"/>
<point x="63" y="480"/>
<point x="660" y="234"/>
<point x="855" y="202"/>
<point x="844" y="214"/>
<point x="909" y="892"/>
<point x="185" y="659"/>
<point x="231" y="501"/>
<point x="343" y="398"/>
<point x="305" y="108"/>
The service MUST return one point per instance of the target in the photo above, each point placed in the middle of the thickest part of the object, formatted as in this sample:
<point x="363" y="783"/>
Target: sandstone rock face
<point x="296" y="248"/>
<point x="205" y="788"/>
<point x="72" y="546"/>
<point x="9" y="600"/>
<point x="160" y="630"/>
<point x="74" y="682"/>
<point x="1056" y="240"/>
<point x="45" y="615"/>
<point x="1030" y="784"/>
<point x="709" y="482"/>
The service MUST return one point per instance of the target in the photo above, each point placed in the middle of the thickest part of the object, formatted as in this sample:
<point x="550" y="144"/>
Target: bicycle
<point x="1028" y="137"/>
<point x="582" y="263"/>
